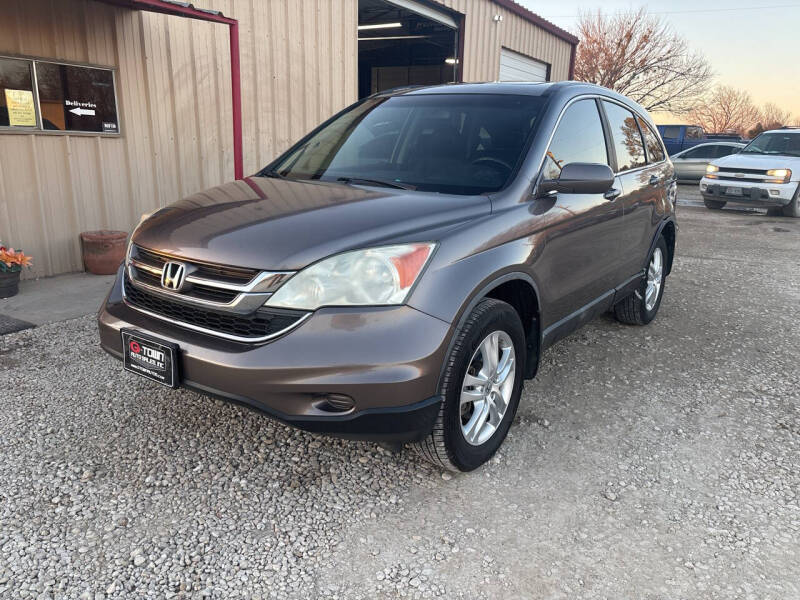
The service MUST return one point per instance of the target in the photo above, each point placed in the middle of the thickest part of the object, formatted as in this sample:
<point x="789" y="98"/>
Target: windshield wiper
<point x="389" y="184"/>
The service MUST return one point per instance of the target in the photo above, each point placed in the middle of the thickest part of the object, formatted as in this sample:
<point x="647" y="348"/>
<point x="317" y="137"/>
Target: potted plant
<point x="11" y="263"/>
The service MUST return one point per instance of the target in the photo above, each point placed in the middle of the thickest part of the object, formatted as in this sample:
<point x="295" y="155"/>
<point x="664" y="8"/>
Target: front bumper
<point x="386" y="359"/>
<point x="755" y="194"/>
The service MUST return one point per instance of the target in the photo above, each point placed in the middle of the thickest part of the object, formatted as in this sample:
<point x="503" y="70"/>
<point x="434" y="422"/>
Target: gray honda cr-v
<point x="398" y="272"/>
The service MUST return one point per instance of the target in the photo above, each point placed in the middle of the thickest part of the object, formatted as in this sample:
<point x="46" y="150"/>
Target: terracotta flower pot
<point x="103" y="251"/>
<point x="9" y="284"/>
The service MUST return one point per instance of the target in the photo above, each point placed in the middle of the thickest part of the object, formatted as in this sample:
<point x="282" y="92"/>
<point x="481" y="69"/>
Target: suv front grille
<point x="220" y="273"/>
<point x="261" y="325"/>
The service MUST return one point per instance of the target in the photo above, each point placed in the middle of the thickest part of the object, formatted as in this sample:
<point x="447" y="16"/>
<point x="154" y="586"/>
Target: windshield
<point x="775" y="143"/>
<point x="449" y="143"/>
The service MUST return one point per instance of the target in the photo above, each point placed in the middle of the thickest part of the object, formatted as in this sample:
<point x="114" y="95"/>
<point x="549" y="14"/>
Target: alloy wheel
<point x="487" y="388"/>
<point x="655" y="278"/>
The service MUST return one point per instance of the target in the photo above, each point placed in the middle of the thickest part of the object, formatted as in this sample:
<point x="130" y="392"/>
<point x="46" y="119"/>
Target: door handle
<point x="612" y="194"/>
<point x="655" y="180"/>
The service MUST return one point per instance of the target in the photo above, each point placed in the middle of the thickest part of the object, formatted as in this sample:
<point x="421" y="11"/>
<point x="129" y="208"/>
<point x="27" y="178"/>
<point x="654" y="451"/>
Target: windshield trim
<point x="523" y="155"/>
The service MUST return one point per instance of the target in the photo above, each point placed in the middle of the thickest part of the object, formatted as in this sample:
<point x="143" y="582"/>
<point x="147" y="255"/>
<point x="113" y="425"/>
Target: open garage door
<point x="405" y="42"/>
<point x="518" y="67"/>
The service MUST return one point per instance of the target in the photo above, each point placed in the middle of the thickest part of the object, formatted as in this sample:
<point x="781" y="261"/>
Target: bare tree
<point x="641" y="56"/>
<point x="726" y="110"/>
<point x="773" y="116"/>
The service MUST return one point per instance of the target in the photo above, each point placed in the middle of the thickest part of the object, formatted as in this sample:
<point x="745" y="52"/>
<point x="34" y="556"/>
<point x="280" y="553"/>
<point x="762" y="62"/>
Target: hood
<point x="284" y="225"/>
<point x="758" y="161"/>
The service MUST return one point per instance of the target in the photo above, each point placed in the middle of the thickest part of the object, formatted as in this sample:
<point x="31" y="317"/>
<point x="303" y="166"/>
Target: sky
<point x="753" y="46"/>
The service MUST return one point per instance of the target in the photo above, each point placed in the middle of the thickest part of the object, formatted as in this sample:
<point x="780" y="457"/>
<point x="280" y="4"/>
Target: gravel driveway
<point x="658" y="463"/>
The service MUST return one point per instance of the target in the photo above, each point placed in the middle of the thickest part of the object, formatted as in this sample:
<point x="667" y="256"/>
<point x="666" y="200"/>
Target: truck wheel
<point x="481" y="386"/>
<point x="642" y="305"/>
<point x="793" y="208"/>
<point x="714" y="204"/>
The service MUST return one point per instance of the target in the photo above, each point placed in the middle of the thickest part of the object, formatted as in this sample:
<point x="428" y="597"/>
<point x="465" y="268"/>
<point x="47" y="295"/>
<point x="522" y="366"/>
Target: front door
<point x="581" y="252"/>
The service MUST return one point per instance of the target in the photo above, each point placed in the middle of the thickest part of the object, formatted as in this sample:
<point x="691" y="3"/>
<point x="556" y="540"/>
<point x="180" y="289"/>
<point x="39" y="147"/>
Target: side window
<point x="705" y="152"/>
<point x="655" y="153"/>
<point x="694" y="133"/>
<point x="671" y="132"/>
<point x="627" y="138"/>
<point x="725" y="151"/>
<point x="578" y="138"/>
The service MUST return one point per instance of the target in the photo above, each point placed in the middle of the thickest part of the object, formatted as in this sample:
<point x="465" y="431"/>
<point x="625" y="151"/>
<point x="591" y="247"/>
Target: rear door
<point x="580" y="256"/>
<point x="643" y="185"/>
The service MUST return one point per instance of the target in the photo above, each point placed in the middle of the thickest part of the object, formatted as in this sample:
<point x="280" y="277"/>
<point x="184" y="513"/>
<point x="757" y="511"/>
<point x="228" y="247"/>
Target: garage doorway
<point x="406" y="42"/>
<point x="518" y="67"/>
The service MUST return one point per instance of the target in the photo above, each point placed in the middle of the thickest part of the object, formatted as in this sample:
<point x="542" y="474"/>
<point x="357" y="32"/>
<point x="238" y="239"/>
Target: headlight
<point x="711" y="171"/>
<point x="375" y="276"/>
<point x="780" y="175"/>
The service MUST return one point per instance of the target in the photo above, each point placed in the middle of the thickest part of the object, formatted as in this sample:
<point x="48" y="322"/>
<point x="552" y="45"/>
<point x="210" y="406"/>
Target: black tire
<point x="633" y="309"/>
<point x="793" y="208"/>
<point x="714" y="204"/>
<point x="446" y="445"/>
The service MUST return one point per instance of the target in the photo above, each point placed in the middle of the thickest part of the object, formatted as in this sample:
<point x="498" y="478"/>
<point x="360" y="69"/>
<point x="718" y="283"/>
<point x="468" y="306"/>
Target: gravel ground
<point x="655" y="463"/>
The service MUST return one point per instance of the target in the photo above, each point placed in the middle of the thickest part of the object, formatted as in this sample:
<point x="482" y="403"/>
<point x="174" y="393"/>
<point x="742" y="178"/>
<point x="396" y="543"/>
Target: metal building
<point x="111" y="108"/>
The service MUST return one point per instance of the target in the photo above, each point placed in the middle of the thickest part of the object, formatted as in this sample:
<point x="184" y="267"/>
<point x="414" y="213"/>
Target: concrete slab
<point x="57" y="298"/>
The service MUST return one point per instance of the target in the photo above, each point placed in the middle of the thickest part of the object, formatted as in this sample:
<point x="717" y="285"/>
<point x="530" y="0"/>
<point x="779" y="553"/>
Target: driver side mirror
<point x="579" y="178"/>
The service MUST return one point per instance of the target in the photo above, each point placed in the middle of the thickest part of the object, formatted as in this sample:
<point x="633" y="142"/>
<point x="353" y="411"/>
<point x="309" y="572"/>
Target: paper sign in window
<point x="21" y="110"/>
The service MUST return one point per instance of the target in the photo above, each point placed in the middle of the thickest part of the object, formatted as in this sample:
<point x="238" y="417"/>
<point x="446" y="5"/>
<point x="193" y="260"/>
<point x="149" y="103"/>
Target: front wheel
<point x="793" y="208"/>
<point x="641" y="306"/>
<point x="714" y="204"/>
<point x="481" y="386"/>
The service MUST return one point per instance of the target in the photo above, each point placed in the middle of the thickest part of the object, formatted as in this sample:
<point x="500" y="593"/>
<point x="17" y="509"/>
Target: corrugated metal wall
<point x="173" y="89"/>
<point x="299" y="66"/>
<point x="484" y="37"/>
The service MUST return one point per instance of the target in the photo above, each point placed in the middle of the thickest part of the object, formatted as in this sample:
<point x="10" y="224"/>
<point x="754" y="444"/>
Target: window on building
<point x="579" y="138"/>
<point x="67" y="97"/>
<point x="17" y="105"/>
<point x="627" y="138"/>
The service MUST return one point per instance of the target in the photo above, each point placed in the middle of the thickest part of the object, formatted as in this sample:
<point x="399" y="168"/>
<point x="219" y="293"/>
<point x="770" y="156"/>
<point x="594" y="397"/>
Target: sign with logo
<point x="21" y="109"/>
<point x="150" y="357"/>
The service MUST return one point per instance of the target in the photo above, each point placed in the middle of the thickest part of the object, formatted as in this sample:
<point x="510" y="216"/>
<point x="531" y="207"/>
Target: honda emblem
<point x="173" y="276"/>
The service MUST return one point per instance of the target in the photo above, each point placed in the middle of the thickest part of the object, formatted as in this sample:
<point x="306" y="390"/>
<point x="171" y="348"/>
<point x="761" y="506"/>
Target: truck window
<point x="672" y="132"/>
<point x="694" y="133"/>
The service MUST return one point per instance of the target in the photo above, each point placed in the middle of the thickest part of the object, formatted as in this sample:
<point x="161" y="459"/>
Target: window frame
<point x="610" y="137"/>
<point x="39" y="129"/>
<point x="611" y="158"/>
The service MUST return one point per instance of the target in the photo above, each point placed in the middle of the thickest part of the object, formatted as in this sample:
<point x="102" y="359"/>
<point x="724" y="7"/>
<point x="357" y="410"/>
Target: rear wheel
<point x="641" y="307"/>
<point x="714" y="204"/>
<point x="481" y="386"/>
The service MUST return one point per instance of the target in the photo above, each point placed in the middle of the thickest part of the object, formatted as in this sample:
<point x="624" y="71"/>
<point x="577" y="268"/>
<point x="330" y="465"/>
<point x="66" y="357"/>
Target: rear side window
<point x="578" y="138"/>
<point x="694" y="133"/>
<point x="653" y="145"/>
<point x="726" y="150"/>
<point x="627" y="138"/>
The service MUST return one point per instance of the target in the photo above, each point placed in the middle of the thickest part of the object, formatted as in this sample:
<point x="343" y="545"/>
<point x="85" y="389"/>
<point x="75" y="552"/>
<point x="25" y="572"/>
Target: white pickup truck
<point x="765" y="173"/>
